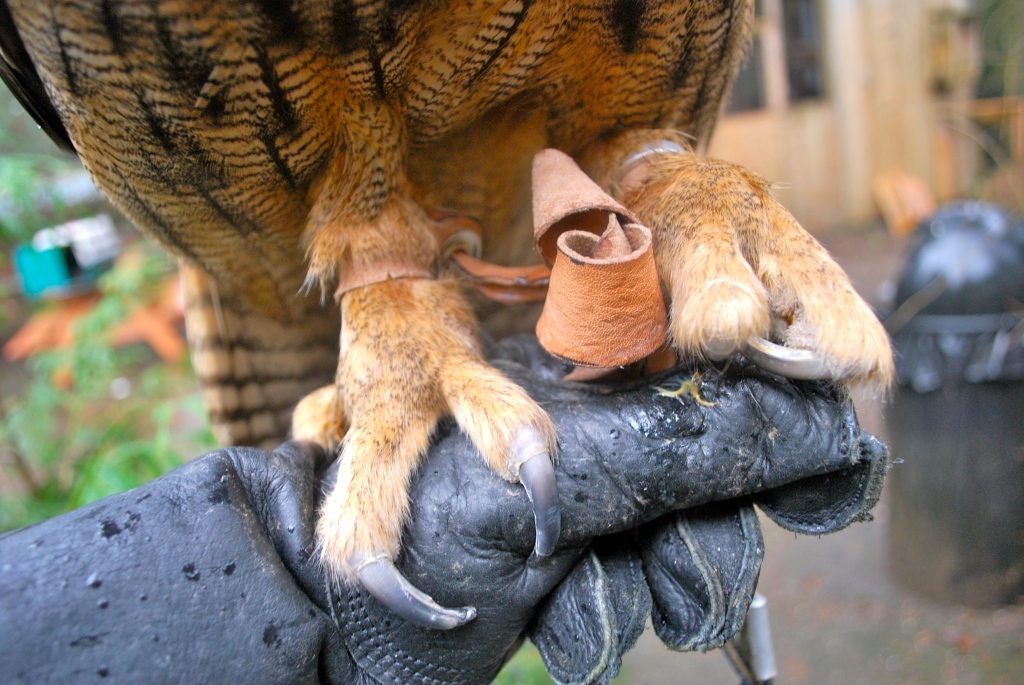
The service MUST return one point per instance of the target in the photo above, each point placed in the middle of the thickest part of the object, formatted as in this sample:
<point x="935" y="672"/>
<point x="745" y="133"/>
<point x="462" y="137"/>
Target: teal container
<point x="40" y="271"/>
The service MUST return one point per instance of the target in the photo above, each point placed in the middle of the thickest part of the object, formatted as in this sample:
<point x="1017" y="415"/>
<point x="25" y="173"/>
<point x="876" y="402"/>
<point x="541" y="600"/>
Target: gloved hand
<point x="693" y="571"/>
<point x="208" y="574"/>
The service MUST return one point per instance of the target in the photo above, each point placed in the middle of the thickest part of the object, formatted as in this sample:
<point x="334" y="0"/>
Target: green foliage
<point x="70" y="447"/>
<point x="26" y="203"/>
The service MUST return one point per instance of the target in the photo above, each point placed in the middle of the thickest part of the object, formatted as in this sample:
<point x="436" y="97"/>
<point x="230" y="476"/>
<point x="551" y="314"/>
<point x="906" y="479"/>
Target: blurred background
<point x="869" y="116"/>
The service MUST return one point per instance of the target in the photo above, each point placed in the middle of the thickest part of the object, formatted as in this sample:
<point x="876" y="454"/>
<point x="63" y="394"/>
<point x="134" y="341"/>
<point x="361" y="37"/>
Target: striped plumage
<point x="233" y="132"/>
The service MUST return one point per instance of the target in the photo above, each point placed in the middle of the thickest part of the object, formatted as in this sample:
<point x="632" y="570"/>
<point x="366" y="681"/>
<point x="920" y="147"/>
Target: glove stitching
<point x="608" y="633"/>
<point x="627" y="635"/>
<point x="330" y="600"/>
<point x="743" y="592"/>
<point x="607" y="618"/>
<point x="712" y="623"/>
<point x="875" y="477"/>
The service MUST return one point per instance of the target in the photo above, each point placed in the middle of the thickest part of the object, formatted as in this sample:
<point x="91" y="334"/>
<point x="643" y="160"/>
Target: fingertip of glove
<point x="830" y="502"/>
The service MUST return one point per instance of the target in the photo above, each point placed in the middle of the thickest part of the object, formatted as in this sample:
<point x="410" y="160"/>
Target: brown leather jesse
<point x="604" y="307"/>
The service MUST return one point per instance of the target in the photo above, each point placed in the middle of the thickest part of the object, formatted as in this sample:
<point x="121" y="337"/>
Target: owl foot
<point x="742" y="274"/>
<point x="409" y="356"/>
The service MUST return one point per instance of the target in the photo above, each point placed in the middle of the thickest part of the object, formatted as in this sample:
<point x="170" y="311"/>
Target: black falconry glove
<point x="209" y="573"/>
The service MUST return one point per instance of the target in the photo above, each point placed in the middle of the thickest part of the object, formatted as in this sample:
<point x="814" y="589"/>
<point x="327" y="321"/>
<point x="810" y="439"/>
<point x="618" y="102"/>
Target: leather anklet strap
<point x="461" y="238"/>
<point x="505" y="284"/>
<point x="378" y="272"/>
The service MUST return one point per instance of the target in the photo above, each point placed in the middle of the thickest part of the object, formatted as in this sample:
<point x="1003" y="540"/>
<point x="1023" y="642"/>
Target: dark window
<point x="748" y="89"/>
<point x="801" y="23"/>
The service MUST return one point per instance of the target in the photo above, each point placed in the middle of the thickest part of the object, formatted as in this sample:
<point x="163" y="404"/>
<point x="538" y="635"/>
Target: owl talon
<point x="786" y="361"/>
<point x="538" y="477"/>
<point x="382" y="580"/>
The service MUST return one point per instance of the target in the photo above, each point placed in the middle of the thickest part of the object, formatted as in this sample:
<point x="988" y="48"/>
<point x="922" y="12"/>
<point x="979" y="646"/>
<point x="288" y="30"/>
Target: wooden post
<point x="946" y="186"/>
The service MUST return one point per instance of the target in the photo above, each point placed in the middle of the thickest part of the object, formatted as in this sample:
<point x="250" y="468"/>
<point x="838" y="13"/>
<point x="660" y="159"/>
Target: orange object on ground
<point x="50" y="328"/>
<point x="155" y="324"/>
<point x="904" y="201"/>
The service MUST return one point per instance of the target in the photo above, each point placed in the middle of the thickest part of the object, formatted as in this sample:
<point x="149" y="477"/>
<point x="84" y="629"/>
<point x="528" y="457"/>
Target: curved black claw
<point x="538" y="477"/>
<point x="382" y="580"/>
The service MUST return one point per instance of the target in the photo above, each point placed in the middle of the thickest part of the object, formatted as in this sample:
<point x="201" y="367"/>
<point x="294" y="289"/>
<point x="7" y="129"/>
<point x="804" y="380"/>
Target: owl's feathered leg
<point x="409" y="356"/>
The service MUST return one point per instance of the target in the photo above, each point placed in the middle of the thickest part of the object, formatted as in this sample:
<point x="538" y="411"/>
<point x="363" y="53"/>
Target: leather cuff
<point x="377" y="272"/>
<point x="604" y="307"/>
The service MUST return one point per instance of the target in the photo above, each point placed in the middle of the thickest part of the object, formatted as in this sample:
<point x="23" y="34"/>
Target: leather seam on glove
<point x="606" y="622"/>
<point x="711" y="582"/>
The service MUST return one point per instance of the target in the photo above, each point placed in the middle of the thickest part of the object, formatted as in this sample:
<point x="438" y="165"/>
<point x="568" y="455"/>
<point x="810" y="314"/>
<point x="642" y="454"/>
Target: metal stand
<point x="751" y="652"/>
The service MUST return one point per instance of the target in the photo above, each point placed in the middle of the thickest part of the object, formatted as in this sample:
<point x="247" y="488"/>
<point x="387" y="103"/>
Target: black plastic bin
<point x="957" y="417"/>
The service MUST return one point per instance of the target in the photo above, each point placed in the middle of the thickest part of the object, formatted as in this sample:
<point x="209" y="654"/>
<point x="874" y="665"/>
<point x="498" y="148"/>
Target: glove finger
<point x="830" y="502"/>
<point x="702" y="567"/>
<point x="594" y="616"/>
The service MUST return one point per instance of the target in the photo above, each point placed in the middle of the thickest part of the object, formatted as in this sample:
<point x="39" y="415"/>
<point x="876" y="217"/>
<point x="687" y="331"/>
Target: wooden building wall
<point x="879" y="110"/>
